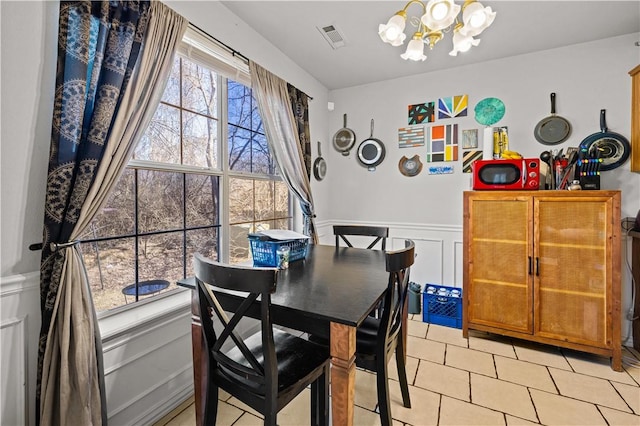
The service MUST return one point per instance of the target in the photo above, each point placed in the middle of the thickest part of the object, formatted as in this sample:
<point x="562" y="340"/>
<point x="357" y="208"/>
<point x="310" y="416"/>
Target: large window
<point x="186" y="190"/>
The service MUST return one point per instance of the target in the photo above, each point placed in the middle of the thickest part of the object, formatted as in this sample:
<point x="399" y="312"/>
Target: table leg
<point x="343" y="373"/>
<point x="199" y="358"/>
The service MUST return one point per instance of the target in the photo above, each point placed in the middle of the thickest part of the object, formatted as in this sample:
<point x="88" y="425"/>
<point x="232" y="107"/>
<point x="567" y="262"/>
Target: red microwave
<point x="523" y="173"/>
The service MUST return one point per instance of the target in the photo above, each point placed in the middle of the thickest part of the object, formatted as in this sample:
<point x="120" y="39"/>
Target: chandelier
<point x="438" y="16"/>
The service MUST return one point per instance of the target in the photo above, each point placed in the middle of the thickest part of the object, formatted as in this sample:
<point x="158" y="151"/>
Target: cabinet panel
<point x="499" y="292"/>
<point x="571" y="284"/>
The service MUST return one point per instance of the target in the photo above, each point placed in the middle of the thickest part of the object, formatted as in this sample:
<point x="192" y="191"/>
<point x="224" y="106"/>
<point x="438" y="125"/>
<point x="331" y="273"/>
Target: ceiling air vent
<point x="332" y="35"/>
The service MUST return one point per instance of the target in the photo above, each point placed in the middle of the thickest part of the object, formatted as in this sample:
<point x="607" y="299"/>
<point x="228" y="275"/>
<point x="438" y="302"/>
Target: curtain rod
<point x="233" y="51"/>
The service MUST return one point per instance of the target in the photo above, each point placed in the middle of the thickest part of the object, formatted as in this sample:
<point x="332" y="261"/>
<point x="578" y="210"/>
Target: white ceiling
<point x="520" y="27"/>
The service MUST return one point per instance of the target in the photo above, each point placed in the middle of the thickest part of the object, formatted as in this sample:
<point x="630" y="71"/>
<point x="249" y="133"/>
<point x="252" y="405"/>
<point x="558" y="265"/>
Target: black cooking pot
<point x="612" y="148"/>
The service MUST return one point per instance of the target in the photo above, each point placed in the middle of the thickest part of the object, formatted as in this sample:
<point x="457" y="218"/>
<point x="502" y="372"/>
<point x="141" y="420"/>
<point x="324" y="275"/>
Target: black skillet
<point x="553" y="129"/>
<point x="612" y="148"/>
<point x="371" y="151"/>
<point x="319" y="166"/>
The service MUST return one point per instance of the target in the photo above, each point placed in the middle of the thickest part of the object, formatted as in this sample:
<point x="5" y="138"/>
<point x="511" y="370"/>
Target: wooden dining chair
<point x="377" y="339"/>
<point x="266" y="370"/>
<point x="380" y="234"/>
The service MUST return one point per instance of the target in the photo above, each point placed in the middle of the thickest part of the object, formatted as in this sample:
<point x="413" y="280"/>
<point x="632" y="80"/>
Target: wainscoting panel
<point x="148" y="368"/>
<point x="14" y="371"/>
<point x="19" y="329"/>
<point x="438" y="247"/>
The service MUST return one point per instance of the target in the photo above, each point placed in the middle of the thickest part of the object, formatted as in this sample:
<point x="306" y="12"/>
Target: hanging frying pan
<point x="553" y="129"/>
<point x="612" y="148"/>
<point x="371" y="151"/>
<point x="344" y="139"/>
<point x="319" y="166"/>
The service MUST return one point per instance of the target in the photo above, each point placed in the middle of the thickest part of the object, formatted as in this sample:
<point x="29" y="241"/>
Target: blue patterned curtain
<point x="98" y="46"/>
<point x="300" y="108"/>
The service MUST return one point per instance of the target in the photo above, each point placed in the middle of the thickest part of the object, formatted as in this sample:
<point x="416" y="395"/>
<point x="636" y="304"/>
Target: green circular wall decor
<point x="489" y="111"/>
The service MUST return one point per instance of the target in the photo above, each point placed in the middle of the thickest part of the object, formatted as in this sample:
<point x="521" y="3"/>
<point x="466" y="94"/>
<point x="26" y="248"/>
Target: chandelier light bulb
<point x="440" y="14"/>
<point x="415" y="49"/>
<point x="461" y="42"/>
<point x="393" y="31"/>
<point x="476" y="18"/>
<point x="439" y="11"/>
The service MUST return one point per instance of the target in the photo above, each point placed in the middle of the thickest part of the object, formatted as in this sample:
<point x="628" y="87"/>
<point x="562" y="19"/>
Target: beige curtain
<point x="281" y="130"/>
<point x="72" y="396"/>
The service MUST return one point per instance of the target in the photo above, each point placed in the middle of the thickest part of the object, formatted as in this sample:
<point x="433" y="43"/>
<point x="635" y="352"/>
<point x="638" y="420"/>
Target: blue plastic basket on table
<point x="264" y="250"/>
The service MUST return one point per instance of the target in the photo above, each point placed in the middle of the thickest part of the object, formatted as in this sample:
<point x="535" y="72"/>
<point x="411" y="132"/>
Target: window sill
<point x="122" y="320"/>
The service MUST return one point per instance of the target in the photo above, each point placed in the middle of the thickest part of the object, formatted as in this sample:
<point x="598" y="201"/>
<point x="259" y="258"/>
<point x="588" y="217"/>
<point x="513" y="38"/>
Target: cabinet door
<point x="574" y="270"/>
<point x="499" y="292"/>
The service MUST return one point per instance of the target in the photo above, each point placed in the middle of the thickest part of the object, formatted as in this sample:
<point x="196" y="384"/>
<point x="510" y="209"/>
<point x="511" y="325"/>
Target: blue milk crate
<point x="440" y="307"/>
<point x="264" y="251"/>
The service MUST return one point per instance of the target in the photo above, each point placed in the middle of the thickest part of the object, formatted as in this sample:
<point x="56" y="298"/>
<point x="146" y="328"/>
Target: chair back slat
<point x="256" y="283"/>
<point x="398" y="264"/>
<point x="380" y="234"/>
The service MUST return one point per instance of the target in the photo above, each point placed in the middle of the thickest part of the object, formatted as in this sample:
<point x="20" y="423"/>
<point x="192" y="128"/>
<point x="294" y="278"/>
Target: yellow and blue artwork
<point x="453" y="106"/>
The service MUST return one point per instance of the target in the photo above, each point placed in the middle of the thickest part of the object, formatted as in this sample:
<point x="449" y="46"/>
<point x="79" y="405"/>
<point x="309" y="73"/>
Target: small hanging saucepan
<point x="371" y="152"/>
<point x="344" y="139"/>
<point x="612" y="148"/>
<point x="319" y="166"/>
<point x="553" y="129"/>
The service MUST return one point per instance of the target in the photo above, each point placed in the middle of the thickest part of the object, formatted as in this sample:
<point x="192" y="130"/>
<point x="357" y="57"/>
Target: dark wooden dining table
<point x="328" y="294"/>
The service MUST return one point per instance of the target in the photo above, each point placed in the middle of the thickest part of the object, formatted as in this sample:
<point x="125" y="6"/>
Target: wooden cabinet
<point x="635" y="119"/>
<point x="544" y="266"/>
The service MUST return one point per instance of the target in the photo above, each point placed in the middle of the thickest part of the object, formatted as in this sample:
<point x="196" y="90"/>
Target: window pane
<point x="160" y="198"/>
<point x="199" y="89"/>
<point x="239" y="149"/>
<point x="256" y="120"/>
<point x="200" y="135"/>
<point x="117" y="216"/>
<point x="264" y="199"/>
<point x="161" y="257"/>
<point x="239" y="105"/>
<point x="240" y="200"/>
<point x="262" y="160"/>
<point x="161" y="141"/>
<point x="171" y="93"/>
<point x="202" y="195"/>
<point x="110" y="267"/>
<point x="282" y="200"/>
<point x="282" y="224"/>
<point x="203" y="241"/>
<point x="239" y="243"/>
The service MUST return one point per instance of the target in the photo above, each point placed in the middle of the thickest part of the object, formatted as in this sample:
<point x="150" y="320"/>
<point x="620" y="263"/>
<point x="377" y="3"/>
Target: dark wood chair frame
<point x="377" y="339"/>
<point x="266" y="370"/>
<point x="381" y="233"/>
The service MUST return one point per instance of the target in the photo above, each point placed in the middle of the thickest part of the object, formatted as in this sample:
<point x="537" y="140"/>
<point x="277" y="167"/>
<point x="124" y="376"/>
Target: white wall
<point x="586" y="77"/>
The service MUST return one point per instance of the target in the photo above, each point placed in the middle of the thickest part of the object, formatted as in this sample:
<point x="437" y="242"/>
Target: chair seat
<point x="367" y="336"/>
<point x="297" y="358"/>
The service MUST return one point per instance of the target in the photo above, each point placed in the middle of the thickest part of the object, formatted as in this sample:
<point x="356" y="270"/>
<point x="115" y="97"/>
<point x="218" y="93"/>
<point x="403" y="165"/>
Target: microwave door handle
<point x="524" y="173"/>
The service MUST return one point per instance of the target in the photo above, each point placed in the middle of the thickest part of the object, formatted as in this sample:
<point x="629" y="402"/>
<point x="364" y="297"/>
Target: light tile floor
<point x="483" y="380"/>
